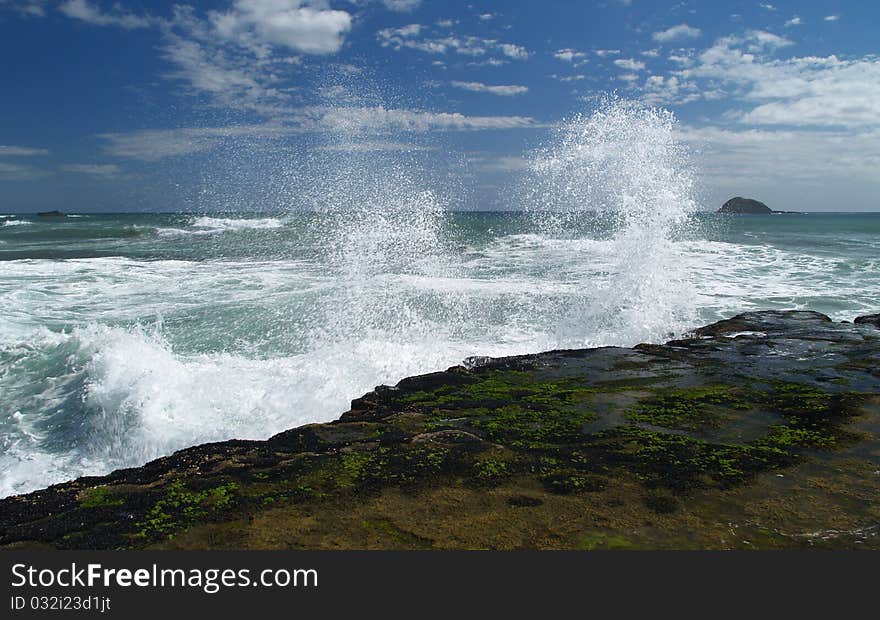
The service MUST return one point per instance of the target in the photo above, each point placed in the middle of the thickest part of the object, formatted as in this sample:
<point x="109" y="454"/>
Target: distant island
<point x="747" y="206"/>
<point x="55" y="213"/>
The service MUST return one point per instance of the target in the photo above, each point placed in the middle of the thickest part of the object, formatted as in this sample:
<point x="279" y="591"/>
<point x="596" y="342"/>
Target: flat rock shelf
<point x="757" y="432"/>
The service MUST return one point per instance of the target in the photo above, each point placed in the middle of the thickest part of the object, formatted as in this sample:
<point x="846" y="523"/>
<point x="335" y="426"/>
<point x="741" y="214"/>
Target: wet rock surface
<point x="760" y="431"/>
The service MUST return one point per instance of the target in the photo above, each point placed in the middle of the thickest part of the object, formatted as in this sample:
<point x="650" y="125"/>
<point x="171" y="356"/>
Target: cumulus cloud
<point x="831" y="18"/>
<point x="569" y="55"/>
<point x="630" y="64"/>
<point x="242" y="57"/>
<point x="669" y="90"/>
<point x="764" y="89"/>
<point x="285" y="23"/>
<point x="417" y="38"/>
<point x="402" y="6"/>
<point x="502" y="90"/>
<point x="681" y="31"/>
<point x="798" y="91"/>
<point x="211" y="71"/>
<point x="794" y="21"/>
<point x="511" y="50"/>
<point x="568" y="78"/>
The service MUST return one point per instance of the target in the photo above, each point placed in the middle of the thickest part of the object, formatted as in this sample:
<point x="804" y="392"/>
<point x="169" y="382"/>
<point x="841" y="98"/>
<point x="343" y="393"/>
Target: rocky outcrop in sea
<point x="757" y="432"/>
<point x="745" y="206"/>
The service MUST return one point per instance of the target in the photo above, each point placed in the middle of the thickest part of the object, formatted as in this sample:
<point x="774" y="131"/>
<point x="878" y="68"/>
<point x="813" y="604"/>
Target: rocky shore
<point x="757" y="432"/>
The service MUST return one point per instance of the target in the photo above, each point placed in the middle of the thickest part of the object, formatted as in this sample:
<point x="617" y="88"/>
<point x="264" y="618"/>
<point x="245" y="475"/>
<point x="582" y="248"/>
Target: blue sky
<point x="151" y="105"/>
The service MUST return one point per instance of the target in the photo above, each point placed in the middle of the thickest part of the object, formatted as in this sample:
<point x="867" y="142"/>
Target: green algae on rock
<point x="758" y="431"/>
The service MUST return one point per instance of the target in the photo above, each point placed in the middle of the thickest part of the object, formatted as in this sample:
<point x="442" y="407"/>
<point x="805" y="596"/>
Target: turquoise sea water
<point x="126" y="337"/>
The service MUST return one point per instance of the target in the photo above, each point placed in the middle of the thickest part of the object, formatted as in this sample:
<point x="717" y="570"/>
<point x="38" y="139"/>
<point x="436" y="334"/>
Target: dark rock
<point x="757" y="431"/>
<point x="745" y="206"/>
<point x="868" y="319"/>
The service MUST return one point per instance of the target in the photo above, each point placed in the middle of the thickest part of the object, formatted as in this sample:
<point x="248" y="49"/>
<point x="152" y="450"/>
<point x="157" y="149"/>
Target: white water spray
<point x="622" y="166"/>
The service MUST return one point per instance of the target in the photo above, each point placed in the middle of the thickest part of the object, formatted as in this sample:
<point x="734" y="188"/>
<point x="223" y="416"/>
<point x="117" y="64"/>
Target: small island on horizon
<point x="747" y="206"/>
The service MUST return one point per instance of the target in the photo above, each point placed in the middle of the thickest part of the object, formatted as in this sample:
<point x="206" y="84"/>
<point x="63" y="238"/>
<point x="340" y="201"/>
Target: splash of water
<point x="622" y="167"/>
<point x="381" y="220"/>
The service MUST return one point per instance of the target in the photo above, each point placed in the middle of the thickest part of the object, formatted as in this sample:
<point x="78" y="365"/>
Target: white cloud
<point x="401" y="6"/>
<point x="285" y="23"/>
<point x="488" y="62"/>
<point x="85" y="11"/>
<point x="660" y="90"/>
<point x="831" y="18"/>
<point x="104" y="171"/>
<point x="241" y="57"/>
<point x="28" y="8"/>
<point x="517" y="52"/>
<point x="805" y="93"/>
<point x="799" y="91"/>
<point x="21" y="151"/>
<point x="502" y="90"/>
<point x="569" y="55"/>
<point x="630" y="64"/>
<point x="768" y="7"/>
<point x="568" y="78"/>
<point x="682" y="60"/>
<point x="409" y="38"/>
<point x="734" y="55"/>
<point x="412" y="30"/>
<point x="605" y="53"/>
<point x="485" y="17"/>
<point x="681" y="31"/>
<point x="794" y="21"/>
<point x="208" y="72"/>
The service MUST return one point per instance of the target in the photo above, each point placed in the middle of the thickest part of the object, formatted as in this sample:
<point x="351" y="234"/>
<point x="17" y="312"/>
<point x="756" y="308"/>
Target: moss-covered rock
<point x="758" y="431"/>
